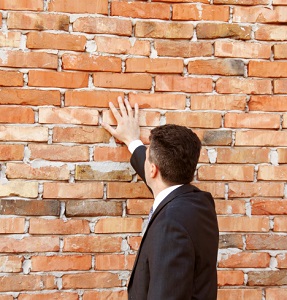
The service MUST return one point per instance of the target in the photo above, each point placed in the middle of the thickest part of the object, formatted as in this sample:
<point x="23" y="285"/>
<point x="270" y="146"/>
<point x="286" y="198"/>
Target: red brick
<point x="29" y="97"/>
<point x="25" y="171"/>
<point x="230" y="240"/>
<point x="140" y="10"/>
<point x="11" y="264"/>
<point x="119" y="154"/>
<point x="229" y="207"/>
<point x="238" y="294"/>
<point x="241" y="2"/>
<point x="268" y="103"/>
<point x="168" y="30"/>
<point x="215" y="137"/>
<point x="12" y="225"/>
<point x="259" y="14"/>
<point x="139" y="206"/>
<point x="22" y="5"/>
<point x="280" y="51"/>
<point x="44" y="40"/>
<point x="243" y="86"/>
<point x="245" y="260"/>
<point x="92" y="244"/>
<point x="268" y="207"/>
<point x="182" y="48"/>
<point x="154" y="65"/>
<point x="37" y="21"/>
<point x="185" y="12"/>
<point x="83" y="6"/>
<point x="91" y="280"/>
<point x="134" y="242"/>
<point x="242" y="155"/>
<point x="122" y="45"/>
<point x="20" y="59"/>
<point x="271" y="33"/>
<point x="114" y="262"/>
<point x="8" y="78"/>
<point x="58" y="152"/>
<point x="103" y="25"/>
<point x="279" y="2"/>
<point x="280" y="86"/>
<point x="176" y="83"/>
<point x="281" y="261"/>
<point x="123" y="81"/>
<point x="119" y="225"/>
<point x="266" y="242"/>
<point x="223" y="30"/>
<point x="103" y="295"/>
<point x="267" y="69"/>
<point x="217" y="189"/>
<point x="19" y="189"/>
<point x="16" y="114"/>
<point x="57" y="226"/>
<point x="183" y="1"/>
<point x="282" y="155"/>
<point x="262" y="278"/>
<point x="127" y="190"/>
<point x="11" y="152"/>
<point x="88" y="62"/>
<point x="261" y="138"/>
<point x="49" y="296"/>
<point x="10" y="39"/>
<point x="73" y="190"/>
<point x="275" y="293"/>
<point x="257" y="189"/>
<point x="29" y="244"/>
<point x="17" y="283"/>
<point x="58" y="79"/>
<point x="85" y="135"/>
<point x="61" y="263"/>
<point x="280" y="223"/>
<point x="241" y="49"/>
<point x="230" y="278"/>
<point x="272" y="173"/>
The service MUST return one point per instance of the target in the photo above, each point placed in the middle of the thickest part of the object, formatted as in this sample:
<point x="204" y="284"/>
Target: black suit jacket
<point x="178" y="253"/>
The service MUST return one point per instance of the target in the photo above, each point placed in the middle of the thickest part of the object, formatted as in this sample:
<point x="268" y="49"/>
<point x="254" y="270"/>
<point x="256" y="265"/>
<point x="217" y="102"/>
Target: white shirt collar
<point x="161" y="195"/>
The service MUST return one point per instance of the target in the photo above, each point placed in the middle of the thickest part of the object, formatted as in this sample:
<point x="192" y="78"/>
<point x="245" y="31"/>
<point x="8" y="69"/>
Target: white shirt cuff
<point x="134" y="144"/>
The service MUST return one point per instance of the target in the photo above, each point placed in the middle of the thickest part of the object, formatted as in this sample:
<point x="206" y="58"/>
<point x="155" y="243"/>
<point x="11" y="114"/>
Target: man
<point x="178" y="253"/>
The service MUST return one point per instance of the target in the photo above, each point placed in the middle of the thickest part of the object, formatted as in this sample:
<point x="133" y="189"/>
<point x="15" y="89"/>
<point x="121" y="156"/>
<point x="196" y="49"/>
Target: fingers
<point x="122" y="107"/>
<point x="115" y="112"/>
<point x="128" y="107"/>
<point x="136" y="111"/>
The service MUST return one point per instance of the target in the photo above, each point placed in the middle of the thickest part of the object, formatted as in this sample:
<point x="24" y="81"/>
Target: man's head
<point x="175" y="151"/>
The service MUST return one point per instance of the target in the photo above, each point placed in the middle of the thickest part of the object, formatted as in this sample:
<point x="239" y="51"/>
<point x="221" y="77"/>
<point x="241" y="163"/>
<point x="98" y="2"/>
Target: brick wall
<point x="72" y="209"/>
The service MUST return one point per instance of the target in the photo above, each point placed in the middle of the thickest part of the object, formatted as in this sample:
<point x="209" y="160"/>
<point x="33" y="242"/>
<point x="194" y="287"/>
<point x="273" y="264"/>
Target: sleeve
<point x="171" y="263"/>
<point x="138" y="160"/>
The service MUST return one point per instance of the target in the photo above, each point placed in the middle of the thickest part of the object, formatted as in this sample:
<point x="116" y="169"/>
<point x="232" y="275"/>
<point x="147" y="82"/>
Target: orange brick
<point x="114" y="262"/>
<point x="154" y="65"/>
<point x="57" y="226"/>
<point x="259" y="14"/>
<point x="10" y="39"/>
<point x="230" y="278"/>
<point x="139" y="206"/>
<point x="123" y="81"/>
<point x="272" y="173"/>
<point x="11" y="264"/>
<point x="12" y="225"/>
<point x="243" y="86"/>
<point x="185" y="12"/>
<point x="241" y="49"/>
<point x="84" y="6"/>
<point x="279" y="2"/>
<point x="197" y="119"/>
<point x="29" y="244"/>
<point x="92" y="244"/>
<point x="268" y="103"/>
<point x="284" y="125"/>
<point x="226" y="172"/>
<point x="168" y="30"/>
<point x="243" y="120"/>
<point x="280" y="51"/>
<point x="22" y="5"/>
<point x="25" y="171"/>
<point x="239" y="294"/>
<point x="223" y="30"/>
<point x="103" y="25"/>
<point x="280" y="224"/>
<point x="118" y="225"/>
<point x="275" y="293"/>
<point x="58" y="152"/>
<point x="182" y="48"/>
<point x="267" y="69"/>
<point x="244" y="224"/>
<point x="245" y="260"/>
<point x="103" y="295"/>
<point x="280" y="86"/>
<point x="17" y="283"/>
<point x="261" y="138"/>
<point x="265" y="242"/>
<point x="61" y="263"/>
<point x="271" y="33"/>
<point x="281" y="261"/>
<point x="88" y="62"/>
<point x="230" y="240"/>
<point x="176" y="83"/>
<point x="140" y="10"/>
<point x="258" y="189"/>
<point x="91" y="280"/>
<point x="85" y="135"/>
<point x="241" y="2"/>
<point x="11" y="152"/>
<point x="183" y="1"/>
<point x="127" y="190"/>
<point x="20" y="59"/>
<point x="49" y="296"/>
<point x="229" y="207"/>
<point x="19" y="188"/>
<point x="81" y="190"/>
<point x="37" y="21"/>
<point x="58" y="79"/>
<point x="268" y="207"/>
<point x="11" y="114"/>
<point x="217" y="189"/>
<point x="119" y="154"/>
<point x="282" y="155"/>
<point x="44" y="40"/>
<point x="29" y="97"/>
<point x="263" y="278"/>
<point x="11" y="78"/>
<point x="122" y="45"/>
<point x="134" y="242"/>
<point x="242" y="155"/>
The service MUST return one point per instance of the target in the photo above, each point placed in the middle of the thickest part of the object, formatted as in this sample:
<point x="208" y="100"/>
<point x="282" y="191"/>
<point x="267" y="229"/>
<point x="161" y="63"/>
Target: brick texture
<point x="71" y="207"/>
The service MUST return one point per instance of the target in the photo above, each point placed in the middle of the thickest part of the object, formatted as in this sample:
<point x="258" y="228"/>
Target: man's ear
<point x="154" y="170"/>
